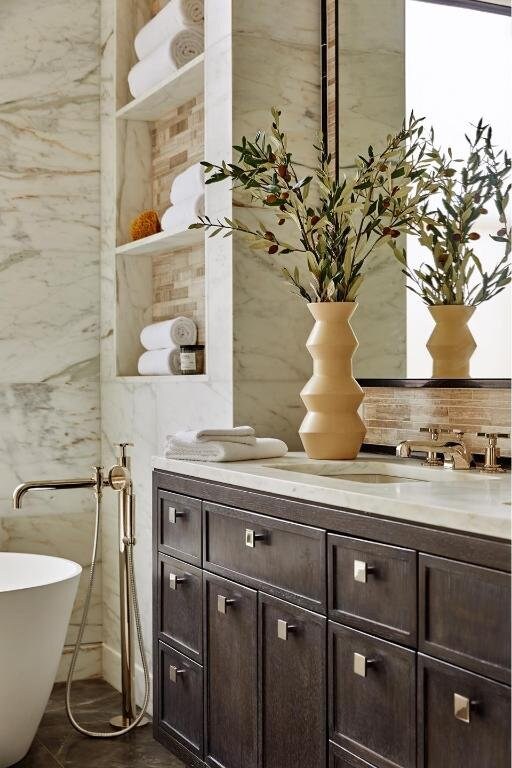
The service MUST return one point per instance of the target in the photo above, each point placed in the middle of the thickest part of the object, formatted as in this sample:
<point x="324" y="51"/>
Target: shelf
<point x="161" y="243"/>
<point x="167" y="379"/>
<point x="169" y="94"/>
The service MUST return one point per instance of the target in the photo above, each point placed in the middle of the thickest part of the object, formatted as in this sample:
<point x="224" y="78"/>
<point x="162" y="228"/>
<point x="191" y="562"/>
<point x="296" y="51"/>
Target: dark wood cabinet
<point x="231" y="738"/>
<point x="180" y="698"/>
<point x="283" y="558"/>
<point x="463" y="719"/>
<point x="292" y="685"/>
<point x="372" y="703"/>
<point x="372" y="587"/>
<point x="288" y="635"/>
<point x="465" y="615"/>
<point x="180" y="606"/>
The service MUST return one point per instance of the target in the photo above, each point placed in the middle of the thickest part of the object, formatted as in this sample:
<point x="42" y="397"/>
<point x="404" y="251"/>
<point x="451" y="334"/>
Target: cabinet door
<point x="463" y="719"/>
<point x="231" y="676"/>
<point x="464" y="616"/>
<point x="180" y="698"/>
<point x="180" y="598"/>
<point x="292" y="691"/>
<point x="372" y="698"/>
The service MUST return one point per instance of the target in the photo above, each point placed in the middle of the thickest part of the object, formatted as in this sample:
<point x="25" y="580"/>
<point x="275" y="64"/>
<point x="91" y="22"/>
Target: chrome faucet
<point x="95" y="481"/>
<point x="454" y="450"/>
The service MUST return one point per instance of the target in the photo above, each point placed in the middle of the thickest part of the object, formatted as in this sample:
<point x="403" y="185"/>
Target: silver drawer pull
<point x="462" y="707"/>
<point x="251" y="537"/>
<point x="283" y="628"/>
<point x="174" y="514"/>
<point x="175" y="672"/>
<point x="223" y="603"/>
<point x="174" y="580"/>
<point x="361" y="571"/>
<point x="361" y="664"/>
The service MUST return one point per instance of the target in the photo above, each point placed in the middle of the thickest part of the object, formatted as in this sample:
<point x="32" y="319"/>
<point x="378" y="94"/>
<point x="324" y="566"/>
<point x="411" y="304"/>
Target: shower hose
<point x="134" y="605"/>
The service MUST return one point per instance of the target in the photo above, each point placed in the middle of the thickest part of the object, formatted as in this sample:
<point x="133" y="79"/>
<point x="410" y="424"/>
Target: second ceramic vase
<point x="332" y="427"/>
<point x="451" y="343"/>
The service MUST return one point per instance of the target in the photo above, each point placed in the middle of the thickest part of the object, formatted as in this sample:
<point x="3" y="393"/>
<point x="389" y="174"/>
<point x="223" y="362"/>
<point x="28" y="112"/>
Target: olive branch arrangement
<point x="466" y="187"/>
<point x="349" y="219"/>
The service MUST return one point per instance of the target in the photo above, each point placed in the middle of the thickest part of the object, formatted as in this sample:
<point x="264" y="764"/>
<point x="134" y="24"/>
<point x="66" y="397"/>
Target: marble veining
<point x="49" y="278"/>
<point x="472" y="503"/>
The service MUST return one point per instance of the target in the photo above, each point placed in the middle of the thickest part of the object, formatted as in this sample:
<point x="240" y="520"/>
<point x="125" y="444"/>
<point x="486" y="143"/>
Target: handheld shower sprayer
<point x="118" y="479"/>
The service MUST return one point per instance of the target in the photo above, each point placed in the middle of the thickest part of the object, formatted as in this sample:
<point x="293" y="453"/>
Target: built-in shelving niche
<point x="158" y="135"/>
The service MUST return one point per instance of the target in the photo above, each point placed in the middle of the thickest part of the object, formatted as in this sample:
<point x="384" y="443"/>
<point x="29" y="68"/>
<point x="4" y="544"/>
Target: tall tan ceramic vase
<point x="451" y="343"/>
<point x="332" y="428"/>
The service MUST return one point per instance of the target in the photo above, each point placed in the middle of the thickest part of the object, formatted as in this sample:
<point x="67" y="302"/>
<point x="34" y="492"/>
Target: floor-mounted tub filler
<point x="36" y="599"/>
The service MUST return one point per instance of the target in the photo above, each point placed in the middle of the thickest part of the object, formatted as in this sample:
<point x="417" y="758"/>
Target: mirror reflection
<point x="394" y="57"/>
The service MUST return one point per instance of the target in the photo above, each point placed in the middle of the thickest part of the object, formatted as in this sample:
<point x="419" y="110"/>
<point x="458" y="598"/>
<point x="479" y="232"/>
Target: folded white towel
<point x="164" y="60"/>
<point x="189" y="184"/>
<point x="169" y="334"/>
<point x="160" y="362"/>
<point x="178" y="217"/>
<point x="264" y="448"/>
<point x="174" y="17"/>
<point x="241" y="435"/>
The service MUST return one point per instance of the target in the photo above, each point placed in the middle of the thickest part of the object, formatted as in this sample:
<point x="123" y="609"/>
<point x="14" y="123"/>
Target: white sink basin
<point x="375" y="471"/>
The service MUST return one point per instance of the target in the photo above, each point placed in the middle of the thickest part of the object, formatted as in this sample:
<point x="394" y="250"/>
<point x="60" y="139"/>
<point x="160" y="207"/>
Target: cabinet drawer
<point x="372" y="587"/>
<point x="231" y="620"/>
<point x="286" y="559"/>
<point x="372" y="699"/>
<point x="464" y="615"/>
<point x="292" y="686"/>
<point x="180" y="606"/>
<point x="340" y="758"/>
<point x="179" y="526"/>
<point x="180" y="705"/>
<point x="463" y="719"/>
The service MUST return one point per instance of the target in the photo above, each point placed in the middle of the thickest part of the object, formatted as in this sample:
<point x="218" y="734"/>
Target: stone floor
<point x="58" y="745"/>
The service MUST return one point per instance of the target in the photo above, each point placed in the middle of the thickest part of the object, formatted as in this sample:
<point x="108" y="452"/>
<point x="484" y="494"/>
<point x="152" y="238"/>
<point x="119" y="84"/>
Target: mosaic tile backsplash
<point x="394" y="414"/>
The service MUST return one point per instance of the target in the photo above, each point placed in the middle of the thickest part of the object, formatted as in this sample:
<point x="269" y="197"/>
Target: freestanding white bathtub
<point x="36" y="598"/>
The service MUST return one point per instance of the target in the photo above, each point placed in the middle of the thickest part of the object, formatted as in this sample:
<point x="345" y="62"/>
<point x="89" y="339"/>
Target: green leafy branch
<point x="466" y="187"/>
<point x="349" y="219"/>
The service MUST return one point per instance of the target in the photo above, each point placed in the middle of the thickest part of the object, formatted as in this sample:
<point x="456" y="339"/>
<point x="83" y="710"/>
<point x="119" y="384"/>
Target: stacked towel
<point x="160" y="362"/>
<point x="240" y="435"/>
<point x="172" y="38"/>
<point x="223" y="445"/>
<point x="187" y="198"/>
<point x="169" y="334"/>
<point x="162" y="342"/>
<point x="175" y="17"/>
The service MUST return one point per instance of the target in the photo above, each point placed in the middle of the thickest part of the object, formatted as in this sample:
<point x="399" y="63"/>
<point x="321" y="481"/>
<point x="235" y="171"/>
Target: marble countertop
<point x="466" y="501"/>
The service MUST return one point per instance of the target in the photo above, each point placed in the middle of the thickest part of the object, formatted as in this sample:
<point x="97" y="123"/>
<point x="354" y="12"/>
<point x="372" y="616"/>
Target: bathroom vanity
<point x="304" y="620"/>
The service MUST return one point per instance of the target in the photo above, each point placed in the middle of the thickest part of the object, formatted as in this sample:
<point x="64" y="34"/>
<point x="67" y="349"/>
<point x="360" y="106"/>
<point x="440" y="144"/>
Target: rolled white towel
<point x="241" y="435"/>
<point x="188" y="184"/>
<point x="264" y="448"/>
<point x="179" y="217"/>
<point x="152" y="70"/>
<point x="169" y="334"/>
<point x="174" y="17"/>
<point x="160" y="362"/>
<point x="164" y="60"/>
<point x="187" y="45"/>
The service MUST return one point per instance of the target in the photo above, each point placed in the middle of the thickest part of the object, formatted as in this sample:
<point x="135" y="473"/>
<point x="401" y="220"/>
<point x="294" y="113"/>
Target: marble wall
<point x="49" y="278"/>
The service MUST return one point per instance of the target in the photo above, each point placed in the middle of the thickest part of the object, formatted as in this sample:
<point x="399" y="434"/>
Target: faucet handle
<point x="492" y="452"/>
<point x="122" y="448"/>
<point x="434" y="432"/>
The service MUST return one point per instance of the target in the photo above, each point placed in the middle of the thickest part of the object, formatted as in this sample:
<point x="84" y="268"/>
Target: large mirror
<point x="449" y="61"/>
